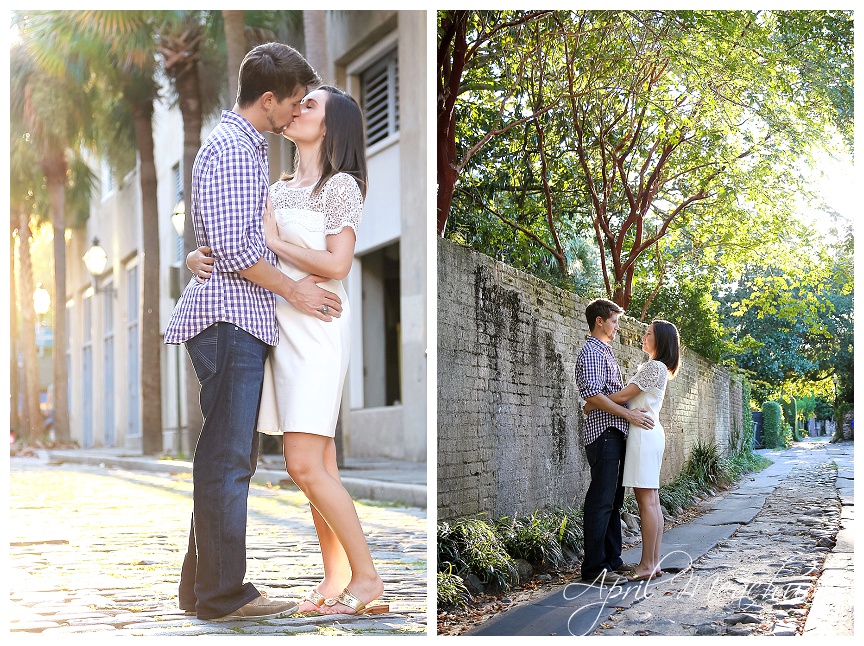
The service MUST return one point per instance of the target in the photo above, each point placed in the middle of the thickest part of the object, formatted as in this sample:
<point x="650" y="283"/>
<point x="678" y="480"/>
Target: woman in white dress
<point x="310" y="223"/>
<point x="644" y="453"/>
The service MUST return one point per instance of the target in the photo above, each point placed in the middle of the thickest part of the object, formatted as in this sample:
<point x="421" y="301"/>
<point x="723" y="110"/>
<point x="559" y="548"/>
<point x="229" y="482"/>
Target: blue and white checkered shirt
<point x="230" y="180"/>
<point x="597" y="372"/>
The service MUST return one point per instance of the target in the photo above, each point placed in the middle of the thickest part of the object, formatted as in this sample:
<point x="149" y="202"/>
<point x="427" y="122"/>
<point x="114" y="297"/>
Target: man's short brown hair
<point x="600" y="307"/>
<point x="276" y="68"/>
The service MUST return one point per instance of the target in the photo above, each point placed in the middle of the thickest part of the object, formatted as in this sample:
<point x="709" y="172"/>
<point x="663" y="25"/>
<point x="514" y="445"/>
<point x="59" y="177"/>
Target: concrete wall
<point x="509" y="434"/>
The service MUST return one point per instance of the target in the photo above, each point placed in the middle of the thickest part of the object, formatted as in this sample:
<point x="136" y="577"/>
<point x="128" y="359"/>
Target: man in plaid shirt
<point x="604" y="434"/>
<point x="228" y="324"/>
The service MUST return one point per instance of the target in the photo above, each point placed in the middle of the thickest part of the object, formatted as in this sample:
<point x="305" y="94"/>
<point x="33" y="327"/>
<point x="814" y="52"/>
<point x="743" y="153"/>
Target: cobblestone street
<point x="772" y="556"/>
<point x="99" y="550"/>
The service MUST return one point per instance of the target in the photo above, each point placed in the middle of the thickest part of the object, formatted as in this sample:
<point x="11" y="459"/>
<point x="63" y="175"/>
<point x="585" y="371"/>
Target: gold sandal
<point x="359" y="608"/>
<point x="316" y="599"/>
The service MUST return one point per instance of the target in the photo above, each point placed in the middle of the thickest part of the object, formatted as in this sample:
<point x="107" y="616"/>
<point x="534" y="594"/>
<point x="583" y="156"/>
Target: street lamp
<point x="97" y="260"/>
<point x="41" y="300"/>
<point x="178" y="221"/>
<point x="178" y="217"/>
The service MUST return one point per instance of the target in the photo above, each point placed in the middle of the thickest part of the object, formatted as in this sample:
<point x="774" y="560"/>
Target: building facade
<point x="384" y="404"/>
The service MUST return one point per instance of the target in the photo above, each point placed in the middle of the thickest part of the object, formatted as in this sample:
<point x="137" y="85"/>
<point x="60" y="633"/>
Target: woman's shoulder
<point x="341" y="182"/>
<point x="657" y="367"/>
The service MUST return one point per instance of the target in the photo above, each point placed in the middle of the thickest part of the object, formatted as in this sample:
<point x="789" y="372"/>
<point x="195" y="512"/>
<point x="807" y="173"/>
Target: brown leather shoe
<point x="261" y="608"/>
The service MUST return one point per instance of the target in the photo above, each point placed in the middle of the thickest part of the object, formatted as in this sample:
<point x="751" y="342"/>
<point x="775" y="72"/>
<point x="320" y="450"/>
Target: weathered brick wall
<point x="509" y="434"/>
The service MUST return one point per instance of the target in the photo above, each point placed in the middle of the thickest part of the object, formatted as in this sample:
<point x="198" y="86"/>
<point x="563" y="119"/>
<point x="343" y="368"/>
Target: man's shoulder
<point x="592" y="346"/>
<point x="225" y="142"/>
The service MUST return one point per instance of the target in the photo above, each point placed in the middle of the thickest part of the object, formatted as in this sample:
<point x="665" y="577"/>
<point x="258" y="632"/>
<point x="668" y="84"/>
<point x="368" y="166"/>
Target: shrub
<point x="707" y="467"/>
<point x="451" y="590"/>
<point x="472" y="546"/>
<point x="747" y="440"/>
<point x="772" y="424"/>
<point x="746" y="462"/>
<point x="790" y="414"/>
<point x="679" y="494"/>
<point x="570" y="528"/>
<point x="533" y="538"/>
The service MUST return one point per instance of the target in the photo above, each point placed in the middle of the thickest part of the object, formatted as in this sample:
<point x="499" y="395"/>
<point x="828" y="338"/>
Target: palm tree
<point x="180" y="49"/>
<point x="121" y="47"/>
<point x="24" y="175"/>
<point x="235" y="46"/>
<point x="315" y="41"/>
<point x="22" y="181"/>
<point x="57" y="118"/>
<point x="116" y="48"/>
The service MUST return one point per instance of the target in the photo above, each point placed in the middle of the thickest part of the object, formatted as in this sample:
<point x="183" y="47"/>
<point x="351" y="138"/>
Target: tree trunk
<point x="189" y="92"/>
<point x="315" y="42"/>
<point x="151" y="335"/>
<point x="28" y="332"/>
<point x="16" y="425"/>
<point x="55" y="168"/>
<point x="315" y="52"/>
<point x="235" y="41"/>
<point x="452" y="53"/>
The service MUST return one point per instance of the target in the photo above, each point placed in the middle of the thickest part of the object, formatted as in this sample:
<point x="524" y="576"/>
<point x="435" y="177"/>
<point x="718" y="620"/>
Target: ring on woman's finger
<point x="325" y="309"/>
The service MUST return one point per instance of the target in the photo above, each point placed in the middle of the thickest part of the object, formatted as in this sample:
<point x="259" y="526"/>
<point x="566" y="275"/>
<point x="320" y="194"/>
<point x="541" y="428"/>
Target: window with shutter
<point x="380" y="98"/>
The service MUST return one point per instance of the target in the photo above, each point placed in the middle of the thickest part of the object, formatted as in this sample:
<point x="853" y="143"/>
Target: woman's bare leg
<point x="337" y="571"/>
<point x="648" y="502"/>
<point x="307" y="463"/>
<point x="658" y="539"/>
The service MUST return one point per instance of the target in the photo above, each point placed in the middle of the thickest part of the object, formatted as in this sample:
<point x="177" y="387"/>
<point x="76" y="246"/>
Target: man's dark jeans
<point x="603" y="502"/>
<point x="229" y="363"/>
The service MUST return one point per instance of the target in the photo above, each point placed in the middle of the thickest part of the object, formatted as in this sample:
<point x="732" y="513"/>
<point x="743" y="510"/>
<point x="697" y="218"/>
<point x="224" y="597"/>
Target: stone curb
<point x="413" y="495"/>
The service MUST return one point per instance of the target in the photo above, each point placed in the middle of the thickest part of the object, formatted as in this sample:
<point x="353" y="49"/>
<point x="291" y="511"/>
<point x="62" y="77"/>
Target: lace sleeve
<point x="343" y="204"/>
<point x="650" y="375"/>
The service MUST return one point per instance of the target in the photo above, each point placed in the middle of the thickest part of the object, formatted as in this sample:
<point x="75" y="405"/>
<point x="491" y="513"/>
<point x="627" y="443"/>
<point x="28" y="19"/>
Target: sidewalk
<point x="370" y="479"/>
<point x="96" y="548"/>
<point x="746" y="566"/>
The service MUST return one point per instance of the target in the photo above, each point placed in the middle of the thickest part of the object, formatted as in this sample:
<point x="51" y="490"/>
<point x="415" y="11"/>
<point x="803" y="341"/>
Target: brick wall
<point x="509" y="434"/>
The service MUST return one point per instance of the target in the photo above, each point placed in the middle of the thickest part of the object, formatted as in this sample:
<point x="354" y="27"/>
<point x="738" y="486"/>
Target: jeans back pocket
<point x="202" y="350"/>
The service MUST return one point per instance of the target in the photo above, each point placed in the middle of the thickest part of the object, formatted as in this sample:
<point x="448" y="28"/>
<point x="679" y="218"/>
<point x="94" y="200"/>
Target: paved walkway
<point x="371" y="479"/>
<point x="774" y="556"/>
<point x="99" y="548"/>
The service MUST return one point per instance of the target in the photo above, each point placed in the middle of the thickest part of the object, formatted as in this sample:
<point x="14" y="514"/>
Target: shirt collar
<point x="598" y="342"/>
<point x="247" y="128"/>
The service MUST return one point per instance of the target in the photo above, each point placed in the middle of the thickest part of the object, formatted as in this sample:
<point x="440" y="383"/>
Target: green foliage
<point x="534" y="538"/>
<point x="745" y="462"/>
<point x="688" y="302"/>
<point x="563" y="176"/>
<point x="790" y="415"/>
<point x="823" y="409"/>
<point x="472" y="546"/>
<point x="706" y="466"/>
<point x="559" y="129"/>
<point x="806" y="407"/>
<point x="450" y="589"/>
<point x="678" y="495"/>
<point x="791" y="320"/>
<point x="748" y="429"/>
<point x="568" y="525"/>
<point x="773" y="436"/>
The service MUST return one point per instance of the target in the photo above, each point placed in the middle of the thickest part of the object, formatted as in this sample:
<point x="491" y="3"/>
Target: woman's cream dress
<point x="304" y="374"/>
<point x="645" y="446"/>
